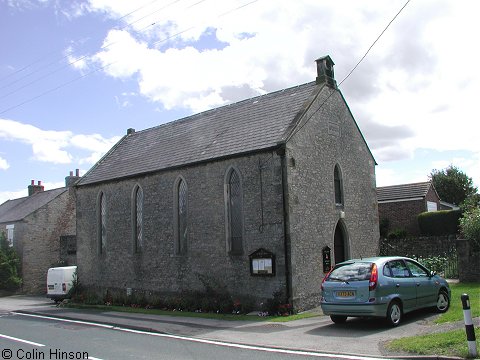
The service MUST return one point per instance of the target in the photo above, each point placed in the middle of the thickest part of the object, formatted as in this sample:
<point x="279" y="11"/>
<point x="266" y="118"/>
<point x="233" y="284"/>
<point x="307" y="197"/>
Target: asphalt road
<point x="25" y="337"/>
<point x="166" y="337"/>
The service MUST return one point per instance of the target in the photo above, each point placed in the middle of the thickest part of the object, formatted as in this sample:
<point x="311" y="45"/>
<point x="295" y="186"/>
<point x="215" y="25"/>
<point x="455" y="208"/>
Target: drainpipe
<point x="281" y="151"/>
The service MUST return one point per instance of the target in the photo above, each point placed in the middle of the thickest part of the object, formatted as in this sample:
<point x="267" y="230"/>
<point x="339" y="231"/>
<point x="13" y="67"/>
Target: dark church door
<point x="339" y="245"/>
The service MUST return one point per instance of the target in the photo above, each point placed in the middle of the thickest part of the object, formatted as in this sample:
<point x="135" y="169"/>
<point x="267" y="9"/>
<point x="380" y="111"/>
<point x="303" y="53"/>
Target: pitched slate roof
<point x="403" y="191"/>
<point x="250" y="125"/>
<point x="18" y="209"/>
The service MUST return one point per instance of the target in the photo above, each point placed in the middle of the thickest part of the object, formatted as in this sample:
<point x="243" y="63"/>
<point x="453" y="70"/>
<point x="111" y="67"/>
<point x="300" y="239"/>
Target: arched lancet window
<point x="234" y="213"/>
<point x="102" y="223"/>
<point x="180" y="223"/>
<point x="338" y="185"/>
<point x="137" y="217"/>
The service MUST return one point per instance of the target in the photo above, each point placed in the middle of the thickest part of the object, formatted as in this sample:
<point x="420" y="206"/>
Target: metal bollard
<point x="467" y="316"/>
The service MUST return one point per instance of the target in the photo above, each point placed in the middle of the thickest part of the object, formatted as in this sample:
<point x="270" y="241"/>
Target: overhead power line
<point x="48" y="55"/>
<point x="70" y="54"/>
<point x="373" y="44"/>
<point x="350" y="72"/>
<point x="110" y="64"/>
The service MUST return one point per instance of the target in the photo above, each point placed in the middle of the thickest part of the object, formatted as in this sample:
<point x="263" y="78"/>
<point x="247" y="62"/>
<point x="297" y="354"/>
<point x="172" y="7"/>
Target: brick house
<point x="401" y="204"/>
<point x="250" y="195"/>
<point x="41" y="228"/>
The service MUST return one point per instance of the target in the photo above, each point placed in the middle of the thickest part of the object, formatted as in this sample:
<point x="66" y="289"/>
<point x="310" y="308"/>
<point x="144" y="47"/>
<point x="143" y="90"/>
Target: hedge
<point x="443" y="222"/>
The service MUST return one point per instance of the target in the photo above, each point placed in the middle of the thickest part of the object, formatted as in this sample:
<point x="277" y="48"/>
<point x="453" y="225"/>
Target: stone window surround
<point x="338" y="186"/>
<point x="101" y="222"/>
<point x="228" y="236"/>
<point x="178" y="248"/>
<point x="137" y="202"/>
<point x="10" y="234"/>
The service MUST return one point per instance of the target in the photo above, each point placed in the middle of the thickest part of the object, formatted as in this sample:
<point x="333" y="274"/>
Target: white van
<point x="60" y="281"/>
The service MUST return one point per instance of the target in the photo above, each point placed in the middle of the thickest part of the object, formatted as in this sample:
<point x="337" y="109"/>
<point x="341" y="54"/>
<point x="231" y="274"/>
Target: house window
<point x="137" y="216"/>
<point x="234" y="213"/>
<point x="102" y="223"/>
<point x="338" y="186"/>
<point x="431" y="206"/>
<point x="181" y="227"/>
<point x="10" y="234"/>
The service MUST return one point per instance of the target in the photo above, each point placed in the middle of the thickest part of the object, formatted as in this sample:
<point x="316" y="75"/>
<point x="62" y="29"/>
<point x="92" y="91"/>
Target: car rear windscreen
<point x="351" y="272"/>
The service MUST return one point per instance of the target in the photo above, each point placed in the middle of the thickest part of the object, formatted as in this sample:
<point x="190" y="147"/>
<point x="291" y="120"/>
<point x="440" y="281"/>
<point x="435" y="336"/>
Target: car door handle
<point x="397" y="285"/>
<point x="418" y="284"/>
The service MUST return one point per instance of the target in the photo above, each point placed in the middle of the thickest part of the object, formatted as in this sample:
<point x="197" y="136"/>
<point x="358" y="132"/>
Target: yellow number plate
<point x="345" y="293"/>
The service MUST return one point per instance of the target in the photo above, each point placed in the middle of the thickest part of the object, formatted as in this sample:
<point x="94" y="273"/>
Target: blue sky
<point x="75" y="75"/>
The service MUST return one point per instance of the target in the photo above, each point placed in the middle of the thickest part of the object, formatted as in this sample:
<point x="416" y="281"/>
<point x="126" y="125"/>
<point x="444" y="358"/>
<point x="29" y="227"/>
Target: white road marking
<point x="20" y="340"/>
<point x="210" y="342"/>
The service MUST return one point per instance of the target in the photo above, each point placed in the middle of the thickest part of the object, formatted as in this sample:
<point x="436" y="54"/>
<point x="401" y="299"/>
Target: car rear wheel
<point x="443" y="302"/>
<point x="394" y="313"/>
<point x="338" y="319"/>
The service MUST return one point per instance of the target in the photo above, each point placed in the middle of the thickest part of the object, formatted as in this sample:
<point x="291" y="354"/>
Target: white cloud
<point x="16" y="194"/>
<point x="10" y="195"/>
<point x="77" y="62"/>
<point x="415" y="89"/>
<point x="47" y="146"/>
<point x="4" y="165"/>
<point x="57" y="147"/>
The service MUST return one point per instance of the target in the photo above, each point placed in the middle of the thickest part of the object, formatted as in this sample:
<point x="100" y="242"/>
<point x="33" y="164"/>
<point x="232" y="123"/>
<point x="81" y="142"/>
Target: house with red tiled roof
<point x="400" y="205"/>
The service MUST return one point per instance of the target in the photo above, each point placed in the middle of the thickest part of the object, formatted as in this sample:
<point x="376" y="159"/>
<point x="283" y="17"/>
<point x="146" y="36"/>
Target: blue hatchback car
<point x="385" y="287"/>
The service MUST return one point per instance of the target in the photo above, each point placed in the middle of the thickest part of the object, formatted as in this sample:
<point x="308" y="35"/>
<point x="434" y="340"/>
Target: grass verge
<point x="229" y="317"/>
<point x="455" y="313"/>
<point x="449" y="343"/>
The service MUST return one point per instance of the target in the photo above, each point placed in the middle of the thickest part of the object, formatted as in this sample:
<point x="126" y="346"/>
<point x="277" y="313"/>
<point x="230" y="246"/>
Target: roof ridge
<point x="244" y="126"/>
<point x="397" y="185"/>
<point x="225" y="106"/>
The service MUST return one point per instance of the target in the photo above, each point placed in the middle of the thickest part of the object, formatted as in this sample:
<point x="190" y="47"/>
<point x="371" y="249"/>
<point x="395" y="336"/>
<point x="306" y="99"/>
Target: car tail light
<point x="373" y="278"/>
<point x="64" y="287"/>
<point x="325" y="278"/>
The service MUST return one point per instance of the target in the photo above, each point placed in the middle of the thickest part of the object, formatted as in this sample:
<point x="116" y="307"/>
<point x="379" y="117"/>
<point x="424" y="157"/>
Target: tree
<point x="470" y="225"/>
<point x="452" y="185"/>
<point x="9" y="262"/>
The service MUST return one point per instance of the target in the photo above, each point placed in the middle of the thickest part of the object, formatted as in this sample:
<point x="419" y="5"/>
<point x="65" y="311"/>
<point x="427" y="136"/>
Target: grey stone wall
<point x="39" y="240"/>
<point x="468" y="264"/>
<point x="156" y="267"/>
<point x="330" y="137"/>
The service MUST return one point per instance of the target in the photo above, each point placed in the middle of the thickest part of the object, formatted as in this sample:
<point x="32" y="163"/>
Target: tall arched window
<point x="338" y="186"/>
<point x="137" y="216"/>
<point x="234" y="213"/>
<point x="102" y="223"/>
<point x="180" y="223"/>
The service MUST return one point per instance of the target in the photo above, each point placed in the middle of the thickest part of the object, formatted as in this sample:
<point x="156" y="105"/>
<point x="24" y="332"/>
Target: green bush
<point x="384" y="227"/>
<point x="214" y="298"/>
<point x="9" y="266"/>
<point x="397" y="234"/>
<point x="470" y="226"/>
<point x="436" y="223"/>
<point x="277" y="305"/>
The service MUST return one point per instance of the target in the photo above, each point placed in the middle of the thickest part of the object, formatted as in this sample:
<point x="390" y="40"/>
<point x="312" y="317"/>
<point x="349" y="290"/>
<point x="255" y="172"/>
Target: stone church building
<point x="262" y="195"/>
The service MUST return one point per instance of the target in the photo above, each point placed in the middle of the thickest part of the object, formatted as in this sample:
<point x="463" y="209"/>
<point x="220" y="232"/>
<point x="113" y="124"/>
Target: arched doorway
<point x="340" y="250"/>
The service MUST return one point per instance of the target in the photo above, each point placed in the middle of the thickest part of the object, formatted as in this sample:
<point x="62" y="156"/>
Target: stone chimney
<point x="325" y="71"/>
<point x="130" y="131"/>
<point x="71" y="180"/>
<point x="33" y="189"/>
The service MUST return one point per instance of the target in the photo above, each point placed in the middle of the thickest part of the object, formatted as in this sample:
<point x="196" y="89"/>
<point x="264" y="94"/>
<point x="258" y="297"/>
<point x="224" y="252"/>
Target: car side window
<point x="386" y="270"/>
<point x="416" y="269"/>
<point x="398" y="268"/>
